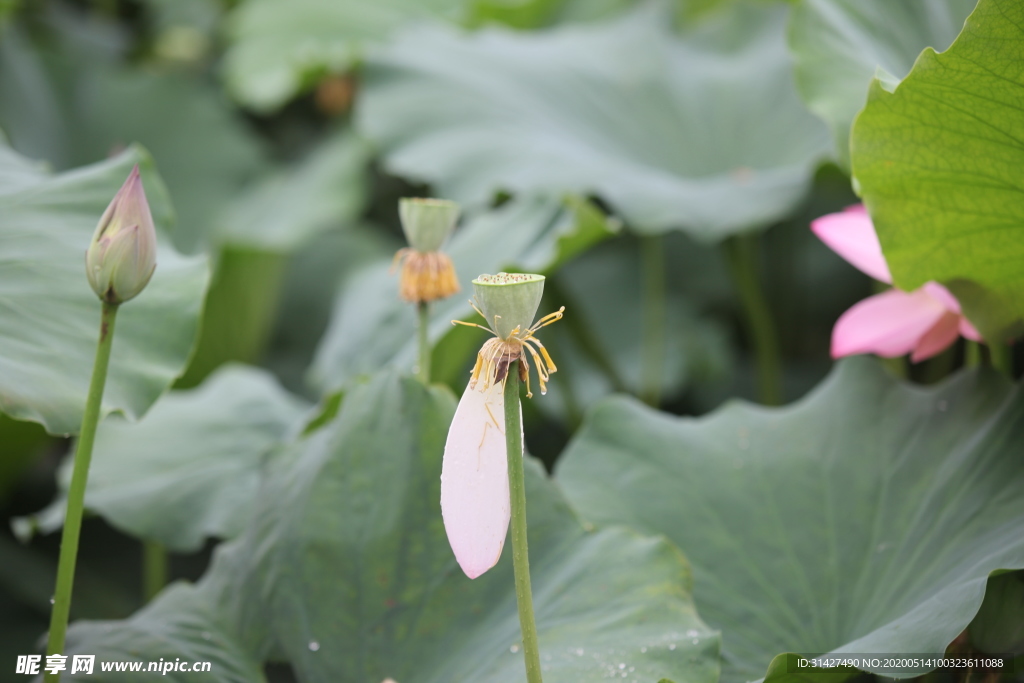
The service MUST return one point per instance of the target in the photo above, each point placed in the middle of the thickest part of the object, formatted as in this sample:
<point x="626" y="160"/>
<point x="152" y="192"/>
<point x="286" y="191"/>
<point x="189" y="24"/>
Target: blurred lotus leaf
<point x="191" y="469"/>
<point x="49" y="326"/>
<point x="865" y="518"/>
<point x="345" y="573"/>
<point x="703" y="133"/>
<point x="840" y="45"/>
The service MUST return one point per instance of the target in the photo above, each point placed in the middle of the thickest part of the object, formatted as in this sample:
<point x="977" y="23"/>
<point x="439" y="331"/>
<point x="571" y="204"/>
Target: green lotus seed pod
<point x="508" y="300"/>
<point x="427" y="222"/>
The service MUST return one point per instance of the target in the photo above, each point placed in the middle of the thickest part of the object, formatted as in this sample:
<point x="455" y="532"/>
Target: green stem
<point x="584" y="337"/>
<point x="741" y="253"/>
<point x="76" y="492"/>
<point x="652" y="259"/>
<point x="154" y="569"/>
<point x="1001" y="358"/>
<point x="107" y="8"/>
<point x="897" y="366"/>
<point x="517" y="494"/>
<point x="938" y="367"/>
<point x="423" y="321"/>
<point x="972" y="353"/>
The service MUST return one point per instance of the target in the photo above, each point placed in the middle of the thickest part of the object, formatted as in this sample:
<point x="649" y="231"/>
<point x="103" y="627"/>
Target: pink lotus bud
<point x="122" y="256"/>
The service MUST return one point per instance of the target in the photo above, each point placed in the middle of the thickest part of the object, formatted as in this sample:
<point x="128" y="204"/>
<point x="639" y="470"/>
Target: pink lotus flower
<point x="923" y="322"/>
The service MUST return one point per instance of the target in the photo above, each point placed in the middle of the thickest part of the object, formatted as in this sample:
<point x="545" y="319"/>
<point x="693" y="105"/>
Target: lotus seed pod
<point x="427" y="223"/>
<point x="122" y="255"/>
<point x="508" y="300"/>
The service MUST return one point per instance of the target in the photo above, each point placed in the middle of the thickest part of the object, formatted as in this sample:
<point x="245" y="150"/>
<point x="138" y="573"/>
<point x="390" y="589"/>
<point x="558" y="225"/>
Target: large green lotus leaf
<point x="204" y="151"/>
<point x="866" y="518"/>
<point x="280" y="47"/>
<point x="938" y="164"/>
<point x="30" y="109"/>
<point x="72" y="103"/>
<point x="292" y="206"/>
<point x="704" y="133"/>
<point x="49" y="316"/>
<point x="346" y="573"/>
<point x="185" y="624"/>
<point x="372" y="328"/>
<point x="839" y="45"/>
<point x="362" y="585"/>
<point x="191" y="469"/>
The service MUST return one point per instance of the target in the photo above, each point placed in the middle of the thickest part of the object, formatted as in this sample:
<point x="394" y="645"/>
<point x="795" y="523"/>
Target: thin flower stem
<point x="517" y="493"/>
<point x="76" y="492"/>
<point x="585" y="338"/>
<point x="652" y="258"/>
<point x="897" y="366"/>
<point x="1001" y="357"/>
<point x="741" y="253"/>
<point x="154" y="569"/>
<point x="972" y="353"/>
<point x="423" y="321"/>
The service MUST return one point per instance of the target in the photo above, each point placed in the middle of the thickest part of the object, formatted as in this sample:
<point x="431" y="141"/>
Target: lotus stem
<point x="423" y="320"/>
<point x="520" y="553"/>
<point x="1001" y="357"/>
<point x="76" y="492"/>
<point x="154" y="569"/>
<point x="652" y="258"/>
<point x="741" y="253"/>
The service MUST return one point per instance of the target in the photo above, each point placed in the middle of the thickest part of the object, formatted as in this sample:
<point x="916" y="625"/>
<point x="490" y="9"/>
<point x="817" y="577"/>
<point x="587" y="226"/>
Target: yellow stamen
<point x="497" y="354"/>
<point x="426" y="276"/>
<point x="544" y="353"/>
<point x="541" y="378"/>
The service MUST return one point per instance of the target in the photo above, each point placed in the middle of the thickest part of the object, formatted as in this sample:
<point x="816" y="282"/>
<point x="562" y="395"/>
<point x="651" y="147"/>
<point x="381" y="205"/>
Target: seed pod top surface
<point x="509" y="300"/>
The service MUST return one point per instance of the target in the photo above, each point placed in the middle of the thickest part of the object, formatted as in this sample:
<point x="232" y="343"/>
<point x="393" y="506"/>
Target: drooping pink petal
<point x="968" y="330"/>
<point x="889" y="324"/>
<point x="943" y="295"/>
<point x="947" y="299"/>
<point x="474" y="481"/>
<point x="938" y="338"/>
<point x="851" y="234"/>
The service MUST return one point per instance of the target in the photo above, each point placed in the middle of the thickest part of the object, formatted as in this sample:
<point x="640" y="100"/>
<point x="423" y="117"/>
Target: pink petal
<point x="852" y="235"/>
<point x="889" y="324"/>
<point x="947" y="299"/>
<point x="474" y="481"/>
<point x="943" y="295"/>
<point x="968" y="330"/>
<point x="938" y="338"/>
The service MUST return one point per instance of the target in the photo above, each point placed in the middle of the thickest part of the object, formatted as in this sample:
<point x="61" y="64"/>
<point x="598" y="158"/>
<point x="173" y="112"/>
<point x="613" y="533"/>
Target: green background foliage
<point x="271" y="455"/>
<point x="50" y="323"/>
<point x="865" y="518"/>
<point x="673" y="134"/>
